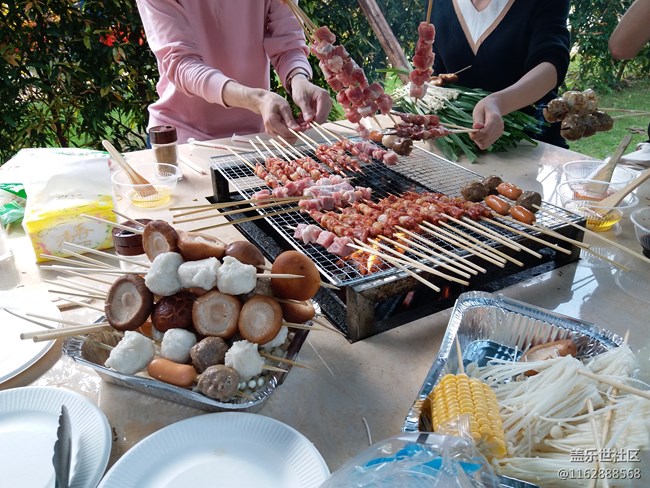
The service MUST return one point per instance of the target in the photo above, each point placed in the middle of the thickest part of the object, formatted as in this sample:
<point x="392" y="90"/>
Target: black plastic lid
<point x="163" y="134"/>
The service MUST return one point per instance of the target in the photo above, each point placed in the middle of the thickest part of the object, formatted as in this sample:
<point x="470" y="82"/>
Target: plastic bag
<point x="12" y="202"/>
<point x="417" y="459"/>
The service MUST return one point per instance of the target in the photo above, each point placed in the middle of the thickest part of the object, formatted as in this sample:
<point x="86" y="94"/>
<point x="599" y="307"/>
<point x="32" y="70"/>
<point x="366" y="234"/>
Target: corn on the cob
<point x="456" y="395"/>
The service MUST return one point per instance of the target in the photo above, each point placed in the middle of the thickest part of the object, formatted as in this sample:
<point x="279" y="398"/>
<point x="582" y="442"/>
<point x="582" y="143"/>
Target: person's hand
<point x="314" y="102"/>
<point x="277" y="116"/>
<point x="488" y="121"/>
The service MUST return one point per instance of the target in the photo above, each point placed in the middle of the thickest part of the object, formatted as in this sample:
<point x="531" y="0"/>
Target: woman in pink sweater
<point x="214" y="61"/>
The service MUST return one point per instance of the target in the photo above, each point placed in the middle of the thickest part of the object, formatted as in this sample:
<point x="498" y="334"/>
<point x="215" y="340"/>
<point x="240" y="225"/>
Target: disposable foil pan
<point x="89" y="353"/>
<point x="489" y="326"/>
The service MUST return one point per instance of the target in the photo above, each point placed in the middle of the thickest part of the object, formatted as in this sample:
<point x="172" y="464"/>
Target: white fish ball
<point x="176" y="345"/>
<point x="132" y="354"/>
<point x="235" y="278"/>
<point x="162" y="277"/>
<point x="244" y="358"/>
<point x="200" y="274"/>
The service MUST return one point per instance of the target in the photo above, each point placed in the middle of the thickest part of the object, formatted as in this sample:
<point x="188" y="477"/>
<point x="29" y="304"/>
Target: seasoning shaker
<point x="129" y="245"/>
<point x="164" y="142"/>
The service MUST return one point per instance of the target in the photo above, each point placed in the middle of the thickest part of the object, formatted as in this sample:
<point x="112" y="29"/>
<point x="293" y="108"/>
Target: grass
<point x="635" y="97"/>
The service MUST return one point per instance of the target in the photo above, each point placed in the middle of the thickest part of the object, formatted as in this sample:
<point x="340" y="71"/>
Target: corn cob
<point x="457" y="395"/>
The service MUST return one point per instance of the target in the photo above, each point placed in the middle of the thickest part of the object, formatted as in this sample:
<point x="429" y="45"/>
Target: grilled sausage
<point x="522" y="214"/>
<point x="499" y="205"/>
<point x="182" y="375"/>
<point x="509" y="190"/>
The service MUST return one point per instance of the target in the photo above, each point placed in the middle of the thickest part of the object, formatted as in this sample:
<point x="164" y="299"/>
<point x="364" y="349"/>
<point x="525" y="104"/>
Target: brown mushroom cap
<point x="297" y="312"/>
<point x="159" y="237"/>
<point x="245" y="252"/>
<point x="260" y="319"/>
<point x="218" y="382"/>
<point x="128" y="303"/>
<point x="216" y="314"/>
<point x="174" y="311"/>
<point x="194" y="246"/>
<point x="294" y="262"/>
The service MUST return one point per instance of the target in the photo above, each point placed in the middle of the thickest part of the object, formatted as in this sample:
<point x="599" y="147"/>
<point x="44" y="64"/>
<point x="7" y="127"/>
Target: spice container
<point x="129" y="245"/>
<point x="164" y="142"/>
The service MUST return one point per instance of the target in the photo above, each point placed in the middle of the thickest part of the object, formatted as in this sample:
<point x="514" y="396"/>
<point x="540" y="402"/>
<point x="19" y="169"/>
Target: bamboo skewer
<point x="494" y="235"/>
<point x="531" y="237"/>
<point x="40" y="324"/>
<point x="429" y="8"/>
<point x="414" y="262"/>
<point x="74" y="285"/>
<point x="596" y="234"/>
<point x="82" y="304"/>
<point x="481" y="244"/>
<point x="436" y="255"/>
<point x="268" y="367"/>
<point x="397" y="264"/>
<point x="243" y="160"/>
<point x="194" y="209"/>
<point x="71" y="332"/>
<point x="114" y="224"/>
<point x="129" y="219"/>
<point x="616" y="384"/>
<point x="278" y="359"/>
<point x="428" y="257"/>
<point x="231" y="212"/>
<point x="93" y="270"/>
<point x="330" y="132"/>
<point x="194" y="167"/>
<point x="248" y="219"/>
<point x="79" y="294"/>
<point x="91" y="278"/>
<point x="469" y="247"/>
<point x="455" y="257"/>
<point x="106" y="254"/>
<point x="73" y="261"/>
<point x="214" y="145"/>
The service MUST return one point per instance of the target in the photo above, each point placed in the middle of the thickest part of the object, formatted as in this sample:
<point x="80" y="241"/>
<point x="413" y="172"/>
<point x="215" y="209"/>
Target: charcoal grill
<point x="368" y="304"/>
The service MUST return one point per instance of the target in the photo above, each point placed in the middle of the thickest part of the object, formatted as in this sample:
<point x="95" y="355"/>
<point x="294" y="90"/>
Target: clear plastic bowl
<point x="583" y="196"/>
<point x="162" y="180"/>
<point x="641" y="220"/>
<point x="583" y="169"/>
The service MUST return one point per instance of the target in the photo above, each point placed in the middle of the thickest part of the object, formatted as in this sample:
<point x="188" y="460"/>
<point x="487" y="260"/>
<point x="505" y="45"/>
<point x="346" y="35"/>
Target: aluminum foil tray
<point x="490" y="326"/>
<point x="87" y="353"/>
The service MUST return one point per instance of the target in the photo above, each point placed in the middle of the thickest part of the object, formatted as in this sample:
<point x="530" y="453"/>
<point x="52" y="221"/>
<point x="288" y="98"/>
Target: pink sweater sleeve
<point x="200" y="46"/>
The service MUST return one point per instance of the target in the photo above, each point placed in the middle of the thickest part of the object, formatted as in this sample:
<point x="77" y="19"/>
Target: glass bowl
<point x="641" y="220"/>
<point x="582" y="169"/>
<point x="162" y="180"/>
<point x="582" y="197"/>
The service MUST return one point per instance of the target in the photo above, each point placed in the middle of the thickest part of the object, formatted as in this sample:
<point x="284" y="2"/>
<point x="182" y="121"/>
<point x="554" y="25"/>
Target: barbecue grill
<point x="369" y="303"/>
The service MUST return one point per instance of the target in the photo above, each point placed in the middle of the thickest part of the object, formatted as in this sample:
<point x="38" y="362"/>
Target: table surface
<point x="354" y="394"/>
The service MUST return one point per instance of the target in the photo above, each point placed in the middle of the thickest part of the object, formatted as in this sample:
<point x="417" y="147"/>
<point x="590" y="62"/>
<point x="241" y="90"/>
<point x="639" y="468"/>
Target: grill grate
<point x="419" y="172"/>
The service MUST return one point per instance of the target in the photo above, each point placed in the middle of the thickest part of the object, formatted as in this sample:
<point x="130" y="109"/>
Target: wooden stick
<point x="616" y="384"/>
<point x="397" y="264"/>
<point x="82" y="304"/>
<point x="106" y="254"/>
<point x="114" y="224"/>
<point x="469" y="271"/>
<point x="229" y="212"/>
<point x="459" y="353"/>
<point x="322" y="135"/>
<point x="494" y="235"/>
<point x="472" y="249"/>
<point x="489" y="233"/>
<point x="214" y="145"/>
<point x="243" y="160"/>
<point x="248" y="219"/>
<point x="235" y="203"/>
<point x="429" y="8"/>
<point x="129" y="219"/>
<point x="73" y="261"/>
<point x="74" y="285"/>
<point x="285" y="154"/>
<point x="453" y="257"/>
<point x="92" y="270"/>
<point x="268" y="149"/>
<point x="278" y="275"/>
<point x="15" y="314"/>
<point x="428" y="257"/>
<point x="596" y="234"/>
<point x="332" y="133"/>
<point x="291" y="147"/>
<point x="191" y="165"/>
<point x="82" y="295"/>
<point x="303" y="139"/>
<point x="91" y="278"/>
<point x="482" y="244"/>
<point x="320" y="321"/>
<point x="71" y="331"/>
<point x="531" y="237"/>
<point x="282" y="360"/>
<point x="268" y="367"/>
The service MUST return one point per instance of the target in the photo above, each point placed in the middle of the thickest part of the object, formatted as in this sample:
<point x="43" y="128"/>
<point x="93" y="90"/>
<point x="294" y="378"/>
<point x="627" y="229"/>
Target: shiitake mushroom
<point x="260" y="319"/>
<point x="492" y="182"/>
<point x="173" y="311"/>
<point x="216" y="314"/>
<point x="159" y="237"/>
<point x="475" y="191"/>
<point x="245" y="252"/>
<point x="129" y="303"/>
<point x="297" y="312"/>
<point x="294" y="262"/>
<point x="573" y="127"/>
<point x="194" y="246"/>
<point x="530" y="200"/>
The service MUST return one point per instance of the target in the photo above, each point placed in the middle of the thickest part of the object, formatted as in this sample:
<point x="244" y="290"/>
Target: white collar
<point x="479" y="22"/>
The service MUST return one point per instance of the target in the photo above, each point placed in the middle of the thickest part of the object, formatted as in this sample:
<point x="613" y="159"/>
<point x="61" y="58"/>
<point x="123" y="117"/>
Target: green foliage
<point x="73" y="73"/>
<point x="592" y="24"/>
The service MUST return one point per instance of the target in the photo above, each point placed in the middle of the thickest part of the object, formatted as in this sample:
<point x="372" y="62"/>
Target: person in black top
<point x="517" y="49"/>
